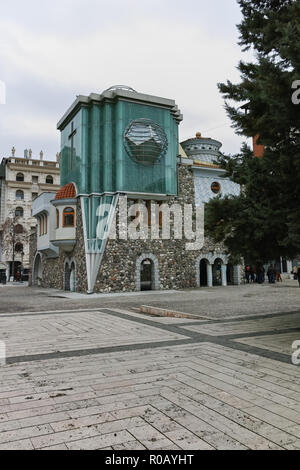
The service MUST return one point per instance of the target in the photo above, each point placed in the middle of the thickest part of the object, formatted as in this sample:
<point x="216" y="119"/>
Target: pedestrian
<point x="298" y="275"/>
<point x="278" y="276"/>
<point x="247" y="273"/>
<point x="271" y="273"/>
<point x="295" y="270"/>
<point x="260" y="274"/>
<point x="253" y="274"/>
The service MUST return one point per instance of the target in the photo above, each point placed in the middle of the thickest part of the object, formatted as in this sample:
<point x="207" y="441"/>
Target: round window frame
<point x="157" y="127"/>
<point x="218" y="185"/>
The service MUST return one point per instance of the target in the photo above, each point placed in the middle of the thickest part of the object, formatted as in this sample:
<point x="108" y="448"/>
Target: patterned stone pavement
<point x="116" y="379"/>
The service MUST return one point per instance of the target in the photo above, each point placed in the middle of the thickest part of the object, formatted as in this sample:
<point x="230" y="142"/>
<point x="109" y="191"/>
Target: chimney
<point x="30" y="153"/>
<point x="258" y="149"/>
<point x="41" y="154"/>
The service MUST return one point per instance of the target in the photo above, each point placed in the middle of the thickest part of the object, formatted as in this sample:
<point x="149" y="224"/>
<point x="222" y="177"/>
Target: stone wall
<point x="119" y="271"/>
<point x="53" y="268"/>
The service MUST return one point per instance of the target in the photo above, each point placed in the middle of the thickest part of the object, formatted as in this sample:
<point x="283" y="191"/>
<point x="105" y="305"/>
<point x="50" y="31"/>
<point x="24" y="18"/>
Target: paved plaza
<point x="96" y="374"/>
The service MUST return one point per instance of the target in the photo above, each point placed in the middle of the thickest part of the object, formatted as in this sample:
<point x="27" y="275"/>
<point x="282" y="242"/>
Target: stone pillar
<point x="224" y="274"/>
<point x="289" y="266"/>
<point x="237" y="275"/>
<point x="209" y="275"/>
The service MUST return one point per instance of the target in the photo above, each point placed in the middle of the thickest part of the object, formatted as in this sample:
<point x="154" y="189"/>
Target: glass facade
<point x="100" y="162"/>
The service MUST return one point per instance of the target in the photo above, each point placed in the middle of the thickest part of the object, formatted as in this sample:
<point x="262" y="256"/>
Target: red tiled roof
<point x="68" y="191"/>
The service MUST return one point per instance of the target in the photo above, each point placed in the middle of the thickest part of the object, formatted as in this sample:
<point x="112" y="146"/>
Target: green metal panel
<point x="101" y="162"/>
<point x="72" y="172"/>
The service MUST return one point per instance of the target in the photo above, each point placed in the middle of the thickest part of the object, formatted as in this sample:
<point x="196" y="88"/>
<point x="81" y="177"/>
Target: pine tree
<point x="264" y="221"/>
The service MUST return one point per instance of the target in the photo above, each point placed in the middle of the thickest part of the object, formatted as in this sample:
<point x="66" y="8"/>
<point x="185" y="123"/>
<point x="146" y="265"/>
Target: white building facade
<point x="22" y="180"/>
<point x="213" y="265"/>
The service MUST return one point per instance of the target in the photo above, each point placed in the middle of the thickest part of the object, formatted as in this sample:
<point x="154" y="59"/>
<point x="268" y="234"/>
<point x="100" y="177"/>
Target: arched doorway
<point x="67" y="276"/>
<point x="72" y="278"/>
<point x="217" y="272"/>
<point x="37" y="270"/>
<point x="203" y="273"/>
<point x="146" y="274"/>
<point x="229" y="274"/>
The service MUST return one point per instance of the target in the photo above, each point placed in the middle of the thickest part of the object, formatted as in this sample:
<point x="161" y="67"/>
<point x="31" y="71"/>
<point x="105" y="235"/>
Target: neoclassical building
<point x="22" y="180"/>
<point x="123" y="174"/>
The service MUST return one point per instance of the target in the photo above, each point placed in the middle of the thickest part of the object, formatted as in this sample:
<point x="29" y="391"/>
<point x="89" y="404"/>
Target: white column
<point x="224" y="274"/>
<point x="237" y="275"/>
<point x="209" y="275"/>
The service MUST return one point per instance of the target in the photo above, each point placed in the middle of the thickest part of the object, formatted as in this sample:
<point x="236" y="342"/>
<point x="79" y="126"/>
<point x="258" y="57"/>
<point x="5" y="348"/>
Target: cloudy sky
<point x="51" y="51"/>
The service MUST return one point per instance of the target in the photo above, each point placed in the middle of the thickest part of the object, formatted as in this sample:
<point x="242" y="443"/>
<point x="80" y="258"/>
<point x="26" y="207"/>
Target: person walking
<point x="298" y="275"/>
<point x="271" y="274"/>
<point x="253" y="274"/>
<point x="247" y="273"/>
<point x="295" y="270"/>
<point x="260" y="274"/>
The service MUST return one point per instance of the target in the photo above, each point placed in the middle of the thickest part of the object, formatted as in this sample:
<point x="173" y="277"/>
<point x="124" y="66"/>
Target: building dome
<point x="202" y="149"/>
<point x="68" y="191"/>
<point x="120" y="87"/>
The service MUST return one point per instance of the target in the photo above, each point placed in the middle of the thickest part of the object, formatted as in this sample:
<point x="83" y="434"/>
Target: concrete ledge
<point x="162" y="312"/>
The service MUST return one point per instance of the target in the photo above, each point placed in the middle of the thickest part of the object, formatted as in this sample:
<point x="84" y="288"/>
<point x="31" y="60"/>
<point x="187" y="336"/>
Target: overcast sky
<point x="51" y="51"/>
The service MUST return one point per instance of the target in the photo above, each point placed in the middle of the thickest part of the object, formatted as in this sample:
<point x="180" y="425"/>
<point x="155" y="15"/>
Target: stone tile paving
<point x="113" y="379"/>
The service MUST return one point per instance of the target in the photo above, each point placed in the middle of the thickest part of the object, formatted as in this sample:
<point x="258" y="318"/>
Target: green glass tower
<point x="117" y="142"/>
<point x="120" y="141"/>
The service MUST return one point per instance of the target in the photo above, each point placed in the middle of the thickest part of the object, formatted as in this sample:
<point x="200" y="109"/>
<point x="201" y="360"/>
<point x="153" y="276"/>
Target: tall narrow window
<point x="18" y="247"/>
<point x="148" y="206"/>
<point x="19" y="212"/>
<point x="19" y="195"/>
<point x="49" y="179"/>
<point x="20" y="177"/>
<point x="57" y="218"/>
<point x="68" y="217"/>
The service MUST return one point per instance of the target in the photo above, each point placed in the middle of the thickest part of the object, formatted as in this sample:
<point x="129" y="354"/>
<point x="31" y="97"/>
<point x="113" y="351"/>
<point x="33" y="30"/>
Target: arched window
<point x="57" y="218"/>
<point x="49" y="179"/>
<point x="19" y="212"/>
<point x="19" y="228"/>
<point x="68" y="217"/>
<point x="19" y="195"/>
<point x="20" y="177"/>
<point x="18" y="247"/>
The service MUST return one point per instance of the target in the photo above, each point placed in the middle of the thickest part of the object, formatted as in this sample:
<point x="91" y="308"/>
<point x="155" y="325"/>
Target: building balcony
<point x="44" y="212"/>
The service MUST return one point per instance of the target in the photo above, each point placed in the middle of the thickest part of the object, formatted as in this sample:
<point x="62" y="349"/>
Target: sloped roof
<point x="68" y="191"/>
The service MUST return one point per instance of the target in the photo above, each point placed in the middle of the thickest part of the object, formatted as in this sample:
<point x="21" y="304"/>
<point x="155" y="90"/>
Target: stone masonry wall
<point x="118" y="271"/>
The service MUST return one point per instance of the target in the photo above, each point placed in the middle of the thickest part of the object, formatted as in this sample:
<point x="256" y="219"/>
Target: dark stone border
<point x="190" y="338"/>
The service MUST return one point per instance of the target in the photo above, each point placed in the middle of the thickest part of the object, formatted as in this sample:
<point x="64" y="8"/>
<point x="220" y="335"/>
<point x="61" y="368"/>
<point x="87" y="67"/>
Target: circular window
<point x="145" y="141"/>
<point x="215" y="187"/>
